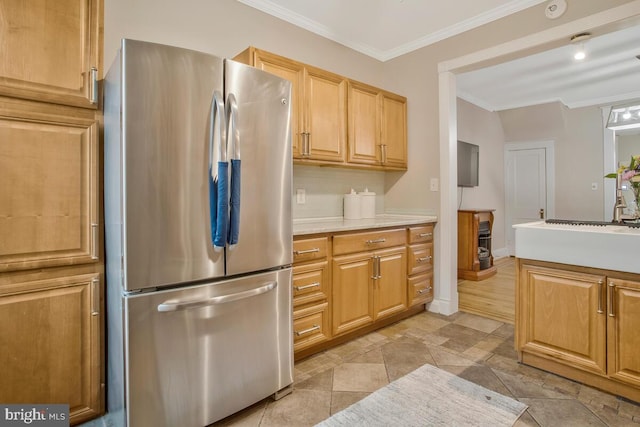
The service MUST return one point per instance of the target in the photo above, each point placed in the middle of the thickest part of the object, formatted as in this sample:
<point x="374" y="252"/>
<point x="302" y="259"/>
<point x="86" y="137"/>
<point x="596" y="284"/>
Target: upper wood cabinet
<point x="58" y="43"/>
<point x="288" y="70"/>
<point x="49" y="197"/>
<point x="325" y="116"/>
<point x="394" y="131"/>
<point x="377" y="127"/>
<point x="337" y="121"/>
<point x="318" y="106"/>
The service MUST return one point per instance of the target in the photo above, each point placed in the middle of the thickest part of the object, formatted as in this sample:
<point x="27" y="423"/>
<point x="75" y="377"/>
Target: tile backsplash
<point x="325" y="186"/>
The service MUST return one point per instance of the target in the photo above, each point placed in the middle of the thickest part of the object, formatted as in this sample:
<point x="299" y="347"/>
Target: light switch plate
<point x="433" y="184"/>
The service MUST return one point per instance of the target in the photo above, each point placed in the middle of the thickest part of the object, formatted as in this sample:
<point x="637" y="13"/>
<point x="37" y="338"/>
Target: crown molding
<point x="301" y="21"/>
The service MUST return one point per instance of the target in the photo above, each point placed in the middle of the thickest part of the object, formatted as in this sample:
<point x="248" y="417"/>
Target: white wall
<point x="483" y="128"/>
<point x="324" y="189"/>
<point x="578" y="153"/>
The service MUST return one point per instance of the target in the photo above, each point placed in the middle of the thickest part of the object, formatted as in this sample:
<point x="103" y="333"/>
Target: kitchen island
<point x="354" y="276"/>
<point x="578" y="303"/>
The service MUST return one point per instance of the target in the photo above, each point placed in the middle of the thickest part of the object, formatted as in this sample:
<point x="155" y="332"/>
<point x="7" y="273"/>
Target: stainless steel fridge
<point x="198" y="231"/>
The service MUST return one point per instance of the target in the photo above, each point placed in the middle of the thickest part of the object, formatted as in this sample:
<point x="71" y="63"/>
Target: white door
<point x="528" y="177"/>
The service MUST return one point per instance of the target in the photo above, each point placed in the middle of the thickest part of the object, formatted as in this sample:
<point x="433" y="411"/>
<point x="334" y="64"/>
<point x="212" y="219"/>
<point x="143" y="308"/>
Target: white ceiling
<point x="385" y="29"/>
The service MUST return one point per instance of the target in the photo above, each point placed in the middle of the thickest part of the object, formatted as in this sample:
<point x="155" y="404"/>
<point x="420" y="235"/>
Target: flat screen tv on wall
<point x="468" y="162"/>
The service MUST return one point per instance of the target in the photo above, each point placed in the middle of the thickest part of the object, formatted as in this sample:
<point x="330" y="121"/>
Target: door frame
<point x="550" y="182"/>
<point x="446" y="237"/>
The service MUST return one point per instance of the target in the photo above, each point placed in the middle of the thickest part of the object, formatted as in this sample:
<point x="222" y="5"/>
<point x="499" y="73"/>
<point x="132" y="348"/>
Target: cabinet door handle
<point x="426" y="258"/>
<point x="425" y="234"/>
<point x="95" y="297"/>
<point x="383" y="150"/>
<point x="94" y="241"/>
<point x="306" y="251"/>
<point x="311" y="285"/>
<point x="306" y="331"/>
<point x="600" y="289"/>
<point x="306" y="146"/>
<point x="610" y="299"/>
<point x="93" y="85"/>
<point x="376" y="267"/>
<point x="374" y="241"/>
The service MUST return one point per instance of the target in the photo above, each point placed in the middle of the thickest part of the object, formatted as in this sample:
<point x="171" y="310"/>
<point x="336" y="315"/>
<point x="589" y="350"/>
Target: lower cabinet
<point x="50" y="336"/>
<point x="420" y="265"/>
<point x="349" y="283"/>
<point x="368" y="286"/>
<point x="623" y="330"/>
<point x="579" y="322"/>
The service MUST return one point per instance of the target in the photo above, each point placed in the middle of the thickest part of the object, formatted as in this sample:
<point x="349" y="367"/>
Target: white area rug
<point x="430" y="396"/>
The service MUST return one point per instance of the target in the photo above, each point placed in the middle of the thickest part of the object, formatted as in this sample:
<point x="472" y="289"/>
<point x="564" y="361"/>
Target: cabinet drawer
<point x="309" y="249"/>
<point x="420" y="258"/>
<point x="372" y="240"/>
<point x="421" y="234"/>
<point x="420" y="289"/>
<point x="310" y="283"/>
<point x="310" y="326"/>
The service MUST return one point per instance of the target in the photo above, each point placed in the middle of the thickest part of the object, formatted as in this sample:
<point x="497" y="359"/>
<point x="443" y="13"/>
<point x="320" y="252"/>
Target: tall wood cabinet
<point x="579" y="322"/>
<point x="51" y="257"/>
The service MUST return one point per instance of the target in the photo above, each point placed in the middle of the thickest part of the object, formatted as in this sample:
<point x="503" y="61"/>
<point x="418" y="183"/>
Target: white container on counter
<point x="352" y="208"/>
<point x="367" y="203"/>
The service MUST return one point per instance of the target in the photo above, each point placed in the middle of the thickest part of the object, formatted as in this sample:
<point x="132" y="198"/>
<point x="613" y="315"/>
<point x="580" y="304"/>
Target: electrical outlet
<point x="433" y="184"/>
<point x="301" y="196"/>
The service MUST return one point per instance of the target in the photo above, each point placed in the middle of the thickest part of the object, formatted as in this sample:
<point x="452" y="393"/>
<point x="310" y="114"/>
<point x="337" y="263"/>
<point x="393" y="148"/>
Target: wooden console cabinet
<point x="475" y="259"/>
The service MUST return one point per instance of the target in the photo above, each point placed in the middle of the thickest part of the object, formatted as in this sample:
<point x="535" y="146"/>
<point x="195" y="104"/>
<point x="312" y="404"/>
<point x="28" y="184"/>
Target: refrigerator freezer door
<point x="201" y="353"/>
<point x="260" y="137"/>
<point x="167" y="95"/>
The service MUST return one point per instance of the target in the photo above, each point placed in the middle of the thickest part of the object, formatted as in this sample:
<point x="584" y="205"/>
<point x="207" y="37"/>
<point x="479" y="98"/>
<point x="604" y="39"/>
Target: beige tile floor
<point x="472" y="347"/>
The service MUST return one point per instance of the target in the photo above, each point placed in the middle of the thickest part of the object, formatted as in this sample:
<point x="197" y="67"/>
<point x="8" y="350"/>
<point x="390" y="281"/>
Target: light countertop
<point x="335" y="224"/>
<point x="610" y="247"/>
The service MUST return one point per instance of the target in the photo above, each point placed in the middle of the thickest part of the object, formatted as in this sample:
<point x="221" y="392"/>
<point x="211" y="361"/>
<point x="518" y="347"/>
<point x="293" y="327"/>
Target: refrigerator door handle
<point x="217" y="160"/>
<point x="233" y="145"/>
<point x="172" y="305"/>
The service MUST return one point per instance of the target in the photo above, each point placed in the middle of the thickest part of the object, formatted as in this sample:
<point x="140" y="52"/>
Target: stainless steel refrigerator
<point x="198" y="236"/>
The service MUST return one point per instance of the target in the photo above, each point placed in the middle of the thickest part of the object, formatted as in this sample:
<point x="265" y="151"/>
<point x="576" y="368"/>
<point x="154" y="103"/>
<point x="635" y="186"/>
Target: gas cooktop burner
<point x="593" y="223"/>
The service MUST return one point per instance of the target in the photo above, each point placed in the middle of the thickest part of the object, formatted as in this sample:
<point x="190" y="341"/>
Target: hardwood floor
<point x="493" y="297"/>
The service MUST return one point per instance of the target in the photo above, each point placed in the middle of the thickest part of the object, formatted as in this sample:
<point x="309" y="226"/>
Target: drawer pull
<point x="425" y="234"/>
<point x="306" y="251"/>
<point x="373" y="241"/>
<point x="422" y="291"/>
<point x="306" y="331"/>
<point x="310" y="285"/>
<point x="426" y="258"/>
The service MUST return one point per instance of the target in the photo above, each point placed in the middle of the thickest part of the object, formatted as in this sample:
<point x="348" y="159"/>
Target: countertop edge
<point x="307" y="226"/>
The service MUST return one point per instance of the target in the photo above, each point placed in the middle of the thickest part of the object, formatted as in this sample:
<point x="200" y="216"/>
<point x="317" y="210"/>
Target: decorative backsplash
<point x="325" y="187"/>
